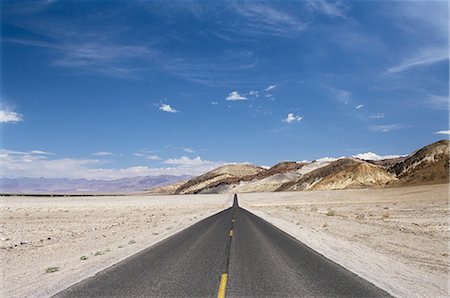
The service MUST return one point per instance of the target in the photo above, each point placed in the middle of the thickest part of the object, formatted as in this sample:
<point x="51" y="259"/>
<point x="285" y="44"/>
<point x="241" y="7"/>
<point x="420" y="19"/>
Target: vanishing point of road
<point x="233" y="253"/>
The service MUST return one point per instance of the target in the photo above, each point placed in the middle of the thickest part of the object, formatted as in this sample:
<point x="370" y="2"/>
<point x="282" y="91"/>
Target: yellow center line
<point x="223" y="285"/>
<point x="231" y="232"/>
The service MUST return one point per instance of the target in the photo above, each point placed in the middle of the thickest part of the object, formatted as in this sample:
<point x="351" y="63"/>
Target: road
<point x="232" y="253"/>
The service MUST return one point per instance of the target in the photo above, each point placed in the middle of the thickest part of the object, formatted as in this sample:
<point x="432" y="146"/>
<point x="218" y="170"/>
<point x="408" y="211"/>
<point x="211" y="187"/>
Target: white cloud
<point x="442" y="132"/>
<point x="103" y="153"/>
<point x="271" y="87"/>
<point x="234" y="95"/>
<point x="374" y="156"/>
<point x="147" y="155"/>
<point x="359" y="107"/>
<point x="41" y="152"/>
<point x="377" y="116"/>
<point x="167" y="108"/>
<point x="292" y="118"/>
<point x="214" y="103"/>
<point x="329" y="159"/>
<point x="16" y="164"/>
<point x="10" y="116"/>
<point x="424" y="58"/>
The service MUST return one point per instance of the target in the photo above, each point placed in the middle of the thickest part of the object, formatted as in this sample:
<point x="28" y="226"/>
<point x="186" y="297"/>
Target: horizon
<point x="110" y="90"/>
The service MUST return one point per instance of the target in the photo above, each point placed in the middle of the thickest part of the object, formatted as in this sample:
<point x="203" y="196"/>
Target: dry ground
<point x="79" y="236"/>
<point x="396" y="238"/>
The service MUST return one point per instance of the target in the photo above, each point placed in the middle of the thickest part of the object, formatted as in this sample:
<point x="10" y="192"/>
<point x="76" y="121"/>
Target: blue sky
<point x="100" y="89"/>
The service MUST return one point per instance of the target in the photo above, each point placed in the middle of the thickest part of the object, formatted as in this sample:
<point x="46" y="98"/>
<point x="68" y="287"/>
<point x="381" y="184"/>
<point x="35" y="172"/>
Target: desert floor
<point x="79" y="236"/>
<point x="396" y="238"/>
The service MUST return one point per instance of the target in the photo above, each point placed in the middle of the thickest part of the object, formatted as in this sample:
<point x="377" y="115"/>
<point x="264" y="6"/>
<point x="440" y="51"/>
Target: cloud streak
<point x="425" y="58"/>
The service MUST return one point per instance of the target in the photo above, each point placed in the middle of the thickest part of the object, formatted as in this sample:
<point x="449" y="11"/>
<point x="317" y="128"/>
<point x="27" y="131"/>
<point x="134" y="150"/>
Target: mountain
<point x="216" y="181"/>
<point x="341" y="174"/>
<point x="425" y="166"/>
<point x="84" y="186"/>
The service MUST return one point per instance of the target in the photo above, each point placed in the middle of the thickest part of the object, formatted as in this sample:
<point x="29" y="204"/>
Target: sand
<point x="396" y="238"/>
<point x="81" y="236"/>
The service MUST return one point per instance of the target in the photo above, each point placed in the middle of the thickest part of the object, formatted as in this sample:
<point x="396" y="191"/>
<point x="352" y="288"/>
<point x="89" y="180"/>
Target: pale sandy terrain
<point x="41" y="232"/>
<point x="396" y="238"/>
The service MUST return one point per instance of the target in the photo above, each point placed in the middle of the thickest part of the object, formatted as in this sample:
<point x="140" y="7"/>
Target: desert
<point x="50" y="243"/>
<point x="396" y="238"/>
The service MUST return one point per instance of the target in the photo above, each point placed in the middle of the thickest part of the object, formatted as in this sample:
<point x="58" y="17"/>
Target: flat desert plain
<point x="50" y="243"/>
<point x="397" y="238"/>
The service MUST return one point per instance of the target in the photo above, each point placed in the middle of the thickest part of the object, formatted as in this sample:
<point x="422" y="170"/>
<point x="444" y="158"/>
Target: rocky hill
<point x="341" y="174"/>
<point x="215" y="180"/>
<point x="428" y="165"/>
<point x="425" y="166"/>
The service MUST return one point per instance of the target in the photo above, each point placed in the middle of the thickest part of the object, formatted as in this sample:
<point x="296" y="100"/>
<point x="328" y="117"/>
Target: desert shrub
<point x="360" y="216"/>
<point x="51" y="269"/>
<point x="313" y="209"/>
<point x="131" y="241"/>
<point x="99" y="253"/>
<point x="331" y="212"/>
<point x="83" y="258"/>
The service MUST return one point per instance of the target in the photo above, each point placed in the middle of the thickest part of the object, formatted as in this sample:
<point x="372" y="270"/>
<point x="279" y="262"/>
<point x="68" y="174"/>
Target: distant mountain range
<point x="84" y="186"/>
<point x="429" y="165"/>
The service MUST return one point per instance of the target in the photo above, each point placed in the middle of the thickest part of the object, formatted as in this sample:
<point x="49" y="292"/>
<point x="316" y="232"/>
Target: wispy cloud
<point x="442" y="132"/>
<point x="234" y="96"/>
<point x="147" y="155"/>
<point x="103" y="153"/>
<point x="99" y="57"/>
<point x="359" y="107"/>
<point x="377" y="116"/>
<point x="438" y="102"/>
<point x="424" y="58"/>
<point x="253" y="93"/>
<point x="291" y="118"/>
<point x="10" y="116"/>
<point x="262" y="19"/>
<point x="167" y="108"/>
<point x="328" y="7"/>
<point x="188" y="150"/>
<point x="271" y="87"/>
<point x="343" y="96"/>
<point x="387" y="127"/>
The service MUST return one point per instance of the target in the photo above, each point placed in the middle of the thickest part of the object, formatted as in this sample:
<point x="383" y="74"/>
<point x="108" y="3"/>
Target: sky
<point x="114" y="89"/>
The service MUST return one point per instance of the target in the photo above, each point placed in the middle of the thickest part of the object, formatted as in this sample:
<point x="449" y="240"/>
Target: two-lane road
<point x="260" y="260"/>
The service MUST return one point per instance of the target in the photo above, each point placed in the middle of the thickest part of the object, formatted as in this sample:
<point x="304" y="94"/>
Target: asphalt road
<point x="256" y="258"/>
